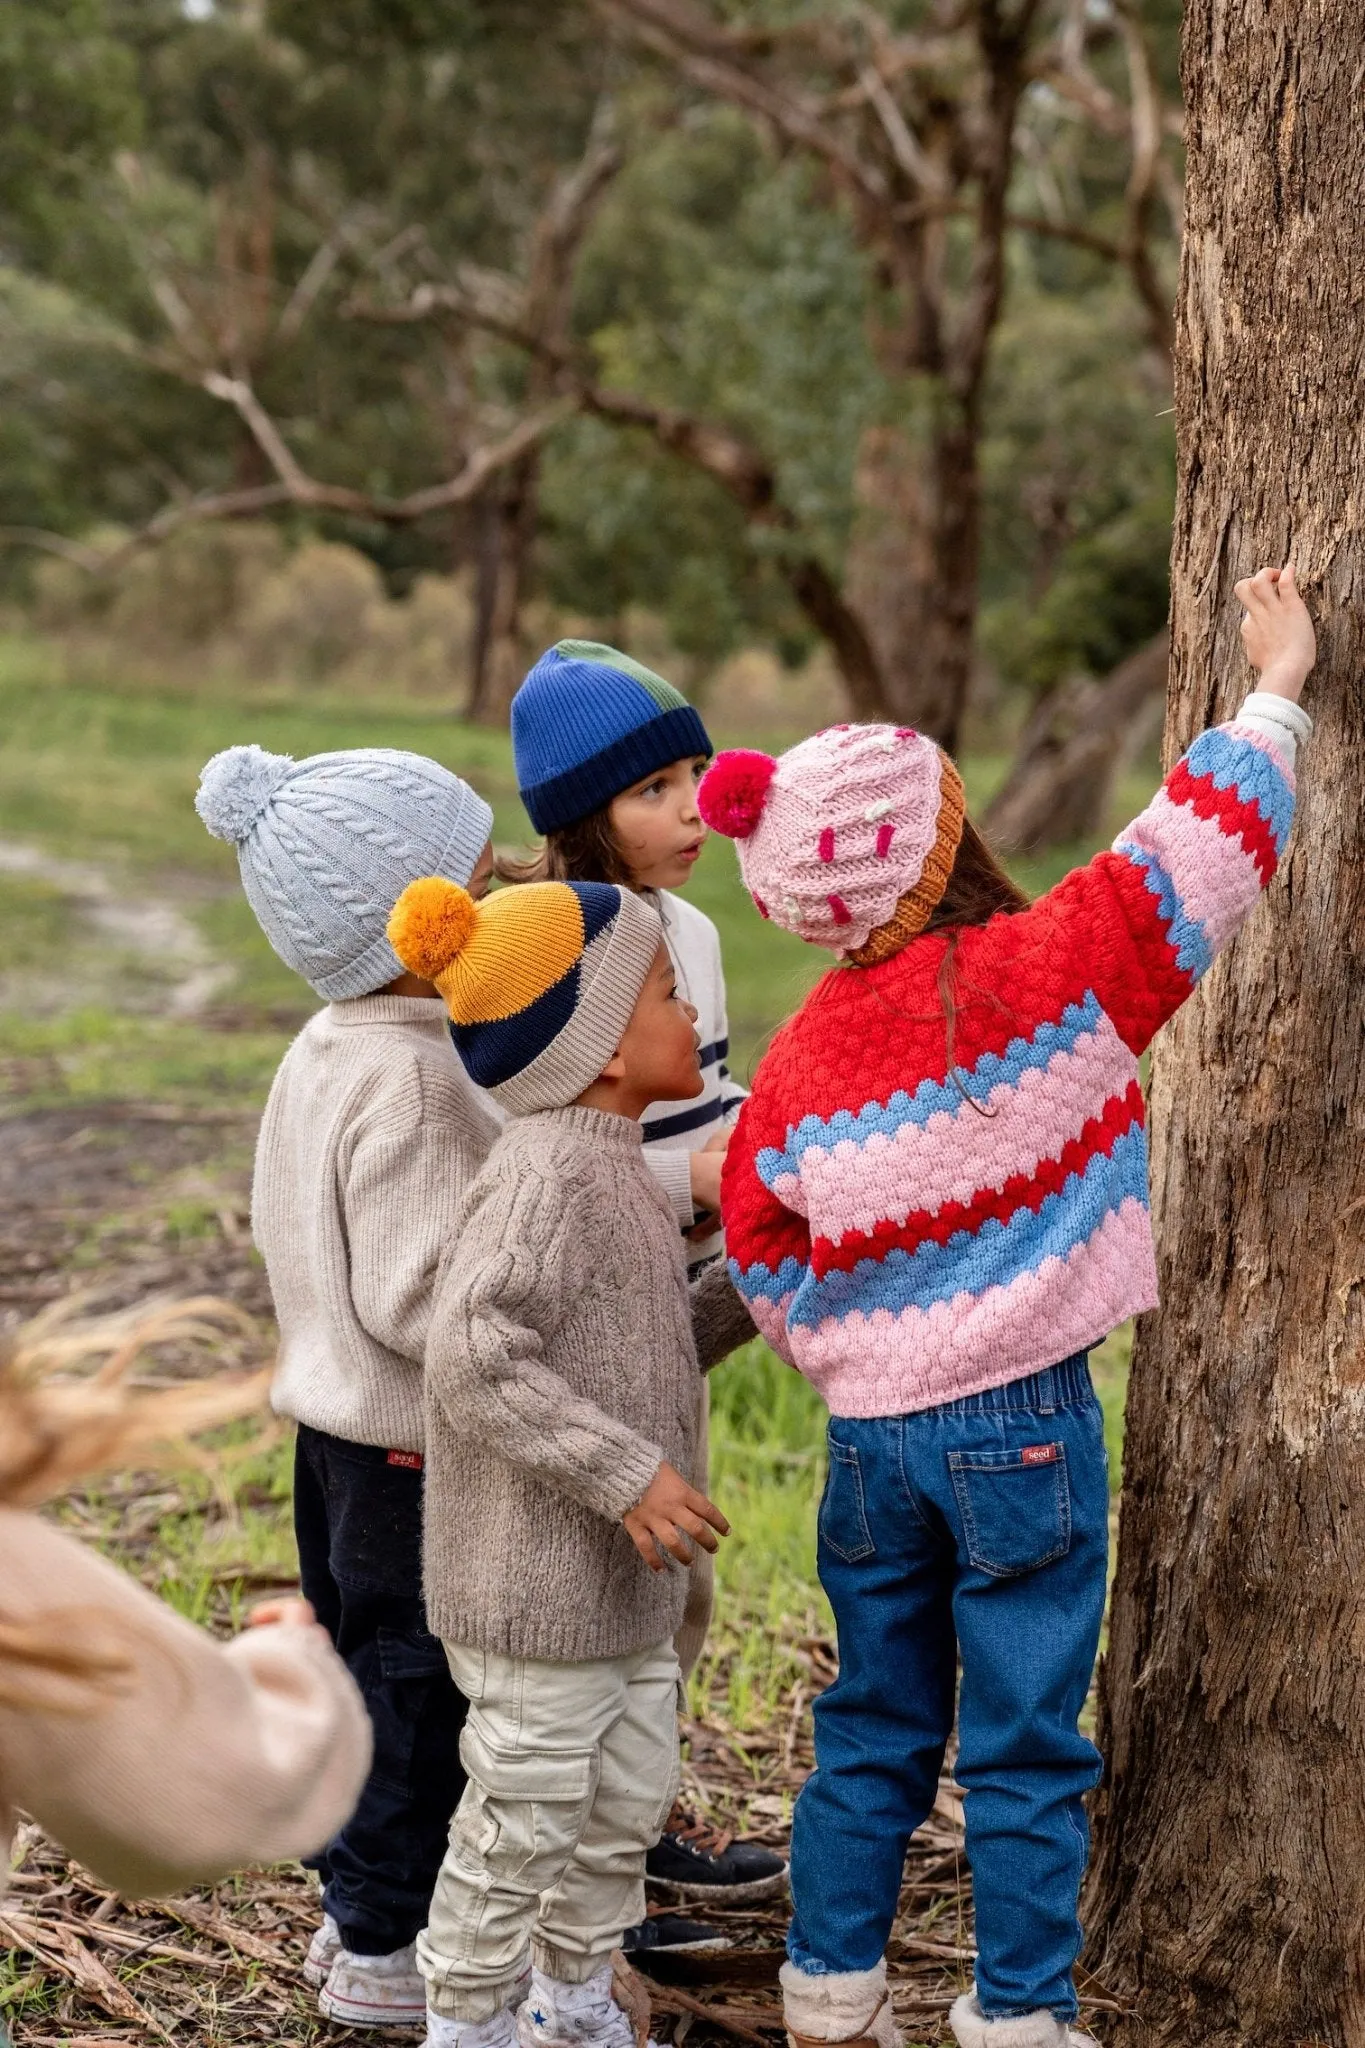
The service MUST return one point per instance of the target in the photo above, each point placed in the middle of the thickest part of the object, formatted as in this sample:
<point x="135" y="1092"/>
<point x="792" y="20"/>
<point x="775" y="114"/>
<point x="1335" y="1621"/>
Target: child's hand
<point x="1277" y="631"/>
<point x="667" y="1514"/>
<point x="285" y="1613"/>
<point x="705" y="1167"/>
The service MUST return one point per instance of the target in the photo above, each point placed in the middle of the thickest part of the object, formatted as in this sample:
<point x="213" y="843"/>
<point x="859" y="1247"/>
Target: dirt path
<point x="142" y="925"/>
<point x="125" y="1199"/>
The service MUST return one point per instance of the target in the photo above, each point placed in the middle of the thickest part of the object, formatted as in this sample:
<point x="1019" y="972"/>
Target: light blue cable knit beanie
<point x="326" y="847"/>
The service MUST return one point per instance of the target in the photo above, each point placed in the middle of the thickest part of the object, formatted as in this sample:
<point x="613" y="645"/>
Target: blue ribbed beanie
<point x="587" y="723"/>
<point x="326" y="846"/>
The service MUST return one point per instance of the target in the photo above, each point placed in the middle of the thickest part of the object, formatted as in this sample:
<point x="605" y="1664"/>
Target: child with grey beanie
<point x="370" y="1137"/>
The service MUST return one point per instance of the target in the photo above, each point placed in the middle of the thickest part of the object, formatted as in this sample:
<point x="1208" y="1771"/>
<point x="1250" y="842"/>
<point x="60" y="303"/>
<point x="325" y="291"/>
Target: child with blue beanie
<point x="370" y="1137"/>
<point x="608" y="758"/>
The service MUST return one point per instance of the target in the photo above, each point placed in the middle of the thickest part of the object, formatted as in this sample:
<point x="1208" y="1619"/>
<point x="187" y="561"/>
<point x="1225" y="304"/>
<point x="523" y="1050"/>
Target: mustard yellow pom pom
<point x="432" y="921"/>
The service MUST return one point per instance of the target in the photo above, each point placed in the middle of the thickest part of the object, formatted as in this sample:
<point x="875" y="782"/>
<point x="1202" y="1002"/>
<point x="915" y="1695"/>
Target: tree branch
<point x="707" y="59"/>
<point x="302" y="489"/>
<point x="298" y="488"/>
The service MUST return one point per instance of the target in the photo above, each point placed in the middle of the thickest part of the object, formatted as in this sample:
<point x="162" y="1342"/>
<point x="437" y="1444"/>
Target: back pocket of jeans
<point x="843" y="1511"/>
<point x="1015" y="1507"/>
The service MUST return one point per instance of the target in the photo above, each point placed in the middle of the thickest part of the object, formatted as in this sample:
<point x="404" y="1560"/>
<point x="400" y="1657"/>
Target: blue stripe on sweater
<point x="760" y="1283"/>
<point x="683" y="1120"/>
<point x="1233" y="763"/>
<point x="932" y="1097"/>
<point x="971" y="1262"/>
<point x="1193" y="947"/>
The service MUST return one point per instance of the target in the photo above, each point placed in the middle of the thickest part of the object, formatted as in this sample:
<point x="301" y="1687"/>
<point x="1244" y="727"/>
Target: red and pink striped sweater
<point x="906" y="1236"/>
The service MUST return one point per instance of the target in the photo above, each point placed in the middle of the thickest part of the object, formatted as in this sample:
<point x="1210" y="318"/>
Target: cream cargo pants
<point x="572" y="1769"/>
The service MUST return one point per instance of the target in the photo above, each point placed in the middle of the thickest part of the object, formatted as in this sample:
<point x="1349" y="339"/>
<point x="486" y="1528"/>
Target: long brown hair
<point x="583" y="852"/>
<point x="978" y="886"/>
<point x="978" y="890"/>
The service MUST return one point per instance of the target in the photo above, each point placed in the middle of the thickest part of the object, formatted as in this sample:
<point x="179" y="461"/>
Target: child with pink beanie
<point x="935" y="1204"/>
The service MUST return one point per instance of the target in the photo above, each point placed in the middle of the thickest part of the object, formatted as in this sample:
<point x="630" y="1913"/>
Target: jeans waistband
<point x="1066" y="1385"/>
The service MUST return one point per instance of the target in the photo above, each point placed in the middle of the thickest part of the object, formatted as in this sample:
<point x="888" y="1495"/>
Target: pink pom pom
<point x="732" y="792"/>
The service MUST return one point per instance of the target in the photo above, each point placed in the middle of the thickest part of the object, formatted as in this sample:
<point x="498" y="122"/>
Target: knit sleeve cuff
<point x="673" y="1171"/>
<point x="1277" y="719"/>
<point x="624" y="1484"/>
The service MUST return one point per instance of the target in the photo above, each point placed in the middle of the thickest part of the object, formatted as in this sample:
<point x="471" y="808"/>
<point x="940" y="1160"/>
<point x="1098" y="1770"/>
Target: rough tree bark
<point x="1071" y="749"/>
<point x="1228" y="1893"/>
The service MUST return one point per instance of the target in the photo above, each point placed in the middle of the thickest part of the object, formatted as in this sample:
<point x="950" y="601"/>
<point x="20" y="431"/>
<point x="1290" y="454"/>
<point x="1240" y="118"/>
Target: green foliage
<point x="712" y="283"/>
<point x="226" y="182"/>
<point x="68" y="100"/>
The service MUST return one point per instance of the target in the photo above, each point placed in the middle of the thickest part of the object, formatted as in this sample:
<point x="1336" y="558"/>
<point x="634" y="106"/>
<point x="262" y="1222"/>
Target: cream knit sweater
<point x="202" y="1757"/>
<point x="371" y="1138"/>
<point x="561" y="1368"/>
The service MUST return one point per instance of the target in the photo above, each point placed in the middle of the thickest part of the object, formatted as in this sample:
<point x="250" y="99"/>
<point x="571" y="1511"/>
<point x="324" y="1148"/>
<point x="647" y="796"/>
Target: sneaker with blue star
<point x="561" y="2015"/>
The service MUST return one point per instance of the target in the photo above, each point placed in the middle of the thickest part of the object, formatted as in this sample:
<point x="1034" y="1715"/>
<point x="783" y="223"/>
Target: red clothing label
<point x="411" y="1461"/>
<point x="1032" y="1454"/>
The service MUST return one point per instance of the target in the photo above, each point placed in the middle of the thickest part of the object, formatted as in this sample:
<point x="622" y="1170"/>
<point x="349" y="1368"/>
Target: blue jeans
<point x="979" y="1529"/>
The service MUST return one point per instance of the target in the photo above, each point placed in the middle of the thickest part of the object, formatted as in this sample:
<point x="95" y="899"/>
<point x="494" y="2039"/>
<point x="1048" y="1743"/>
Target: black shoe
<point x="669" y="1934"/>
<point x="693" y="1861"/>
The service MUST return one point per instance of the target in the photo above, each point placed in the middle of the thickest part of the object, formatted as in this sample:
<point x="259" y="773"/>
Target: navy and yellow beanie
<point x="539" y="981"/>
<point x="587" y="723"/>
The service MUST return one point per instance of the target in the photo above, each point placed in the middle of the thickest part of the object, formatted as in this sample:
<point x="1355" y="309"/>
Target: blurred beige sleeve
<point x="201" y="1758"/>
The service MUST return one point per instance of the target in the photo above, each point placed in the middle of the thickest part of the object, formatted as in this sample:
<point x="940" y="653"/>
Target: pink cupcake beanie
<point x="847" y="838"/>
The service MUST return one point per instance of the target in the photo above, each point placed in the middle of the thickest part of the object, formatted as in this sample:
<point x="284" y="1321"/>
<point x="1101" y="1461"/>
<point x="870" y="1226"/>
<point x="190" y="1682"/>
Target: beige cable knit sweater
<point x="203" y="1757"/>
<point x="561" y="1368"/>
<point x="371" y="1138"/>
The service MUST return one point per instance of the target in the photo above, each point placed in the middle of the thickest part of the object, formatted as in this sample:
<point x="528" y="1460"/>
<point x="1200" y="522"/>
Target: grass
<point x="102" y="771"/>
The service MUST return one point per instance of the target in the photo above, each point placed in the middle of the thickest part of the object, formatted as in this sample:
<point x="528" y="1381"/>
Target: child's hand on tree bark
<point x="1277" y="631"/>
<point x="667" y="1514"/>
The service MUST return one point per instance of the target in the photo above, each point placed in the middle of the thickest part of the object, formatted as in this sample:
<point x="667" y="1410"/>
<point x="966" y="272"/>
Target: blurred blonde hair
<point x="69" y="1410"/>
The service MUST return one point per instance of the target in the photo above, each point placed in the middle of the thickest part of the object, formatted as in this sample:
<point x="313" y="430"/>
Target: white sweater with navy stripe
<point x="674" y="1130"/>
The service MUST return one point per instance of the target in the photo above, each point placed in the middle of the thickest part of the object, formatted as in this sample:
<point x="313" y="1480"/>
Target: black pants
<point x="358" y="1522"/>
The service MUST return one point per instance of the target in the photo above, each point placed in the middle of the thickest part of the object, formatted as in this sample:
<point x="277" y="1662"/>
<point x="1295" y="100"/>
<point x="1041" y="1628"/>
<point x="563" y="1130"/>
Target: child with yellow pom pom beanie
<point x="561" y="1384"/>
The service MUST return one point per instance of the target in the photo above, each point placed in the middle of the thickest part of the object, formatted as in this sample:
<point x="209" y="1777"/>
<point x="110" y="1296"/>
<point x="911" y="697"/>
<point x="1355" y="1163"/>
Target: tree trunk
<point x="912" y="570"/>
<point x="497" y="660"/>
<point x="1072" y="748"/>
<point x="1228" y="1893"/>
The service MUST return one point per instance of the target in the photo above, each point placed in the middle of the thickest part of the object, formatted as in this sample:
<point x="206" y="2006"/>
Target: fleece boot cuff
<point x="842" y="2007"/>
<point x="972" y="2029"/>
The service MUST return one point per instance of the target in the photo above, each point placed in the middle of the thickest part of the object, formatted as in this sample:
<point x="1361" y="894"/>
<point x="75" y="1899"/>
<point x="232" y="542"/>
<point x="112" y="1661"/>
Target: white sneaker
<point x="323" y="1951"/>
<point x="972" y="2029"/>
<point x="560" y="2015"/>
<point x="375" y="1991"/>
<point x="499" y="2032"/>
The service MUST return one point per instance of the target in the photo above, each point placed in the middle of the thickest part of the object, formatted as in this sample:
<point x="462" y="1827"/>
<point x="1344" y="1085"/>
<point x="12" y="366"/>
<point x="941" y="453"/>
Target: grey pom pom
<point x="235" y="788"/>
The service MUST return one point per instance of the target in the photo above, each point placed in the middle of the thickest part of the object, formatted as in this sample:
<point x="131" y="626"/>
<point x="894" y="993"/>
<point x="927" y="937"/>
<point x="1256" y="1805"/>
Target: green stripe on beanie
<point x="664" y="694"/>
<point x="587" y="723"/>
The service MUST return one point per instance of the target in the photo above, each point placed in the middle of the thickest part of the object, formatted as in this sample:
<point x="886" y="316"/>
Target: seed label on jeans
<point x="411" y="1461"/>
<point x="1040" y="1454"/>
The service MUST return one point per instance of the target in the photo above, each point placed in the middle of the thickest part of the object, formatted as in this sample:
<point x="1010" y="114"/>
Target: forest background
<point x="816" y="353"/>
<point x="350" y="355"/>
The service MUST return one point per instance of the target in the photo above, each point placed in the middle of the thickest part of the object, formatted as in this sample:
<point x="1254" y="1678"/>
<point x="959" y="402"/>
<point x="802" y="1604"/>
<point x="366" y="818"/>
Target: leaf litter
<point x="221" y="1967"/>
